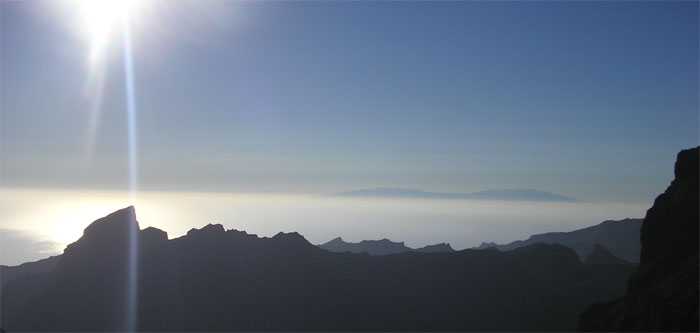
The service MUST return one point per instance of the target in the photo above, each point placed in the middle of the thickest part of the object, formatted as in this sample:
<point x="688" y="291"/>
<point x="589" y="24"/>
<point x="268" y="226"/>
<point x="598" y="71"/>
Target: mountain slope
<point x="222" y="280"/>
<point x="621" y="238"/>
<point x="601" y="256"/>
<point x="10" y="273"/>
<point x="663" y="294"/>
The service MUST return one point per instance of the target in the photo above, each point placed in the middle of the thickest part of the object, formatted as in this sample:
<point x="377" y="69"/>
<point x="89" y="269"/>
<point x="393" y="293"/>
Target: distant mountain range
<point x="380" y="247"/>
<point x="621" y="238"/>
<point x="226" y="280"/>
<point x="506" y="194"/>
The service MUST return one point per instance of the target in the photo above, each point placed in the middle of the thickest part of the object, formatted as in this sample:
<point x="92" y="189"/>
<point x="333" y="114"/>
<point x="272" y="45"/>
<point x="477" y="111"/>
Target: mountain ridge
<point x="225" y="280"/>
<point x="620" y="237"/>
<point x="380" y="247"/>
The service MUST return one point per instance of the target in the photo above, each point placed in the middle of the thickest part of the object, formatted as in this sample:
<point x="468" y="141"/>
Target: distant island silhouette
<point x="505" y="194"/>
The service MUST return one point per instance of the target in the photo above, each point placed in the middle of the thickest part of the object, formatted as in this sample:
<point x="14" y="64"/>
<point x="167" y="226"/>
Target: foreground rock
<point x="663" y="293"/>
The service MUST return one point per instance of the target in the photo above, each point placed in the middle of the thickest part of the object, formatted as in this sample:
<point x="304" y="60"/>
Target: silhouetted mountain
<point x="372" y="247"/>
<point x="435" y="248"/>
<point x="601" y="256"/>
<point x="663" y="294"/>
<point x="507" y="194"/>
<point x="621" y="238"/>
<point x="380" y="247"/>
<point x="217" y="280"/>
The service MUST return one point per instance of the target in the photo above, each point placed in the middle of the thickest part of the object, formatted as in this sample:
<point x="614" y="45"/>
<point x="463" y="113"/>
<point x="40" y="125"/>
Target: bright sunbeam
<point x="103" y="24"/>
<point x="100" y="18"/>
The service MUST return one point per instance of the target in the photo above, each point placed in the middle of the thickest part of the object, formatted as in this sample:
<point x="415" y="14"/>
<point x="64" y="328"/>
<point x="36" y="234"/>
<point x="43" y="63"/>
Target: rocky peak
<point x="290" y="237"/>
<point x="338" y="240"/>
<point x="686" y="168"/>
<point x="208" y="229"/>
<point x="237" y="232"/>
<point x="153" y="235"/>
<point x="289" y="242"/>
<point x="383" y="242"/>
<point x="109" y="231"/>
<point x="105" y="247"/>
<point x="240" y="234"/>
<point x="670" y="229"/>
<point x="373" y="247"/>
<point x="487" y="245"/>
<point x="440" y="247"/>
<point x="118" y="221"/>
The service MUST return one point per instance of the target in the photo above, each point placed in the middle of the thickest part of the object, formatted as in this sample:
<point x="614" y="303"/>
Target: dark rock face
<point x="663" y="293"/>
<point x="380" y="247"/>
<point x="621" y="238"/>
<point x="214" y="279"/>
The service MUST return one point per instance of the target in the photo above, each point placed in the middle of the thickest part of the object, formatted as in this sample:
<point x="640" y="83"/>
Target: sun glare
<point x="100" y="20"/>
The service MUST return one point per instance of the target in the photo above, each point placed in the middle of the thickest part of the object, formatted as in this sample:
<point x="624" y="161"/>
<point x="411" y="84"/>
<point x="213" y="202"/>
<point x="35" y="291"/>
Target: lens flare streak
<point x="132" y="271"/>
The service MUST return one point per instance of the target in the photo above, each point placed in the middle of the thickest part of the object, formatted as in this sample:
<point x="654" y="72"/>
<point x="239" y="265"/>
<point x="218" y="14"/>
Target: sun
<point x="103" y="20"/>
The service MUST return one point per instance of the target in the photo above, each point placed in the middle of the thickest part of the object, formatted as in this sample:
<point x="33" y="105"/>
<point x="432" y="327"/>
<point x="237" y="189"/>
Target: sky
<point x="590" y="100"/>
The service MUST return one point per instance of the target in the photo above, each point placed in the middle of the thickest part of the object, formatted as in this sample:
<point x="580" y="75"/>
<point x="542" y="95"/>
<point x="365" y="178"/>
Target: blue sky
<point x="587" y="99"/>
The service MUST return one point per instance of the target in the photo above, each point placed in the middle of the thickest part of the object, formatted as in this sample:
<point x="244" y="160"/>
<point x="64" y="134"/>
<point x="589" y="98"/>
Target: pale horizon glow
<point x="60" y="216"/>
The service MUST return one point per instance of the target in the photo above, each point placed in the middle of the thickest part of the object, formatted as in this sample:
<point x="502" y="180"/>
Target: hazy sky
<point x="587" y="99"/>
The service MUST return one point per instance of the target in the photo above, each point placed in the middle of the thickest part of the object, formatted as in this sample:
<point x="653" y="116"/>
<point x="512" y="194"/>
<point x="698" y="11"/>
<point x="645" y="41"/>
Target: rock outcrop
<point x="663" y="294"/>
